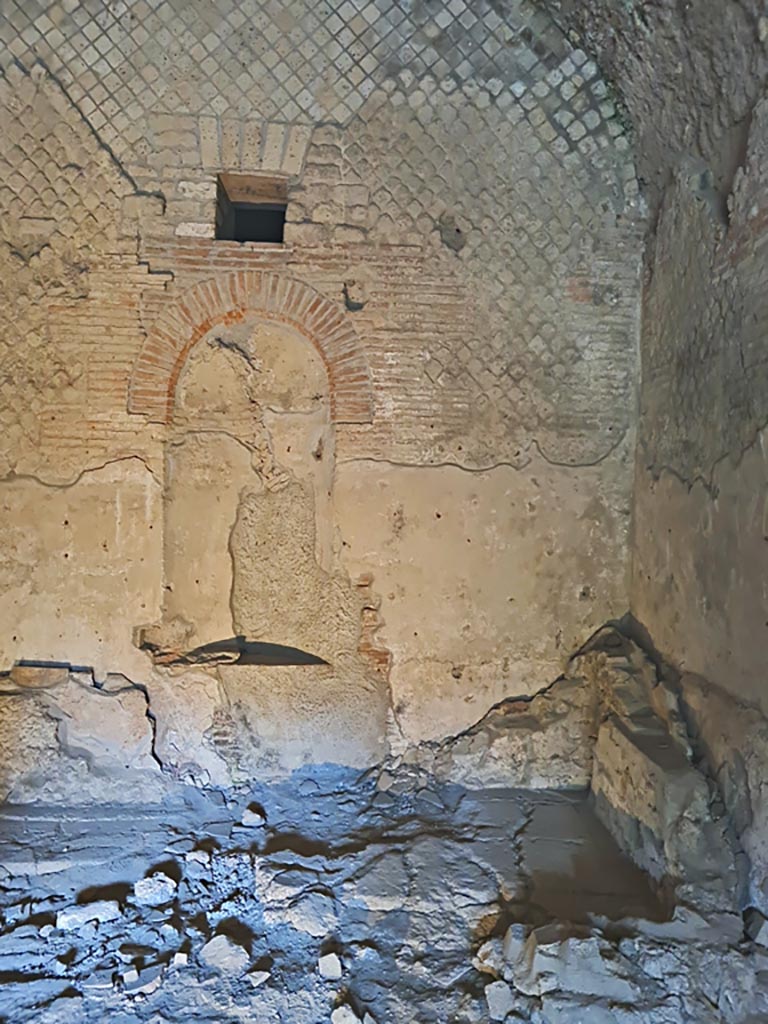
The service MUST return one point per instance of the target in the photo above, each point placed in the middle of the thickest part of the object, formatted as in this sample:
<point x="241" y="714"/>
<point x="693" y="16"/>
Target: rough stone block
<point x="154" y="890"/>
<point x="75" y="917"/>
<point x="329" y="967"/>
<point x="210" y="153"/>
<point x="500" y="999"/>
<point x="224" y="955"/>
<point x="37" y="677"/>
<point x="195" y="229"/>
<point x="587" y="966"/>
<point x="296" y="148"/>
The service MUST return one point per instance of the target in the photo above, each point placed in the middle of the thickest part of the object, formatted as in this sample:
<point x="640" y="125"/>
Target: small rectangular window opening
<point x="251" y="208"/>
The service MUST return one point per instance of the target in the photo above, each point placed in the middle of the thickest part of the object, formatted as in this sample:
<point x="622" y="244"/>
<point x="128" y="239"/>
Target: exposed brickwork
<point x="230" y="299"/>
<point x="451" y="170"/>
<point x="477" y="355"/>
<point x="528" y="367"/>
<point x="370" y="647"/>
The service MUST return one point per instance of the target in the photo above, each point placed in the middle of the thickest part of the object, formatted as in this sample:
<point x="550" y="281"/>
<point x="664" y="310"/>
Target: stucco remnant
<point x="496" y="377"/>
<point x="401" y="451"/>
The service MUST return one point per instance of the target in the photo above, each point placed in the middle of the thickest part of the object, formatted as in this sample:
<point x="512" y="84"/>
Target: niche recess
<point x="251" y="208"/>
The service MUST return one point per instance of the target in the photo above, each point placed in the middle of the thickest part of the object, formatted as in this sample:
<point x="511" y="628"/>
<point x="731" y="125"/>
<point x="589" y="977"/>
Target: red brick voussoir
<point x="229" y="299"/>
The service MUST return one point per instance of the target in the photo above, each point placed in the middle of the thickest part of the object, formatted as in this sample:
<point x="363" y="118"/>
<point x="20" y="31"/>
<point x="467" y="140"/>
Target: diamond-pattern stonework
<point x="397" y="441"/>
<point x="239" y="55"/>
<point x="536" y="367"/>
<point x="470" y="135"/>
<point x="61" y="209"/>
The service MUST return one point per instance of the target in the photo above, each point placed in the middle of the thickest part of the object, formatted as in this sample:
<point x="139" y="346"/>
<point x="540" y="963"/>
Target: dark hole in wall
<point x="250" y="209"/>
<point x="263" y="223"/>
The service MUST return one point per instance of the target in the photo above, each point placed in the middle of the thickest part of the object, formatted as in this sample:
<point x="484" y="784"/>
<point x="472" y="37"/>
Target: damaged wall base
<point x="336" y="898"/>
<point x="571" y="853"/>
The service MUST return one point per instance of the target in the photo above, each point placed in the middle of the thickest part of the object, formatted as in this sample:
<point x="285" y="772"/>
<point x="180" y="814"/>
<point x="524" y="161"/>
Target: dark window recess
<point x="250" y="209"/>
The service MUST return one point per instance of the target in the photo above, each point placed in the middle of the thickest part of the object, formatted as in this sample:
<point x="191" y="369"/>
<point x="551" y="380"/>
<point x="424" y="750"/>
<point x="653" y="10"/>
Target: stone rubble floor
<point x="333" y="897"/>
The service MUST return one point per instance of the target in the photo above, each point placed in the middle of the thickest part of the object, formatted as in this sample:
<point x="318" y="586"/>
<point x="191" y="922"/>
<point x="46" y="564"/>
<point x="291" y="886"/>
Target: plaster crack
<point x="149" y="713"/>
<point x="432" y="465"/>
<point x="707" y="481"/>
<point x="85" y="676"/>
<point x="229" y="345"/>
<point x="587" y="463"/>
<point x="99" y="141"/>
<point x="13" y="476"/>
<point x="518" y="464"/>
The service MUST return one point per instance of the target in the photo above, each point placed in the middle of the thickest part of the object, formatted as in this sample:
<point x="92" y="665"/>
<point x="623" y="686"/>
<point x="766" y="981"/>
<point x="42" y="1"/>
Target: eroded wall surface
<point x="401" y="442"/>
<point x="701" y="559"/>
<point x="694" y="81"/>
<point x="688" y="74"/>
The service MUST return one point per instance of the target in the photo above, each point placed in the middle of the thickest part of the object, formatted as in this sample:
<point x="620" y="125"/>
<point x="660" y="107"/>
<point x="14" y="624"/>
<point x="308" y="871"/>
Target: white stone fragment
<point x="500" y="999"/>
<point x="329" y="967"/>
<point x="489" y="959"/>
<point x="572" y="964"/>
<point x="224" y="955"/>
<point x="197" y="857"/>
<point x="76" y="917"/>
<point x="314" y="914"/>
<point x="257" y="978"/>
<point x="514" y="942"/>
<point x="344" y="1015"/>
<point x="154" y="890"/>
<point x="180" y="959"/>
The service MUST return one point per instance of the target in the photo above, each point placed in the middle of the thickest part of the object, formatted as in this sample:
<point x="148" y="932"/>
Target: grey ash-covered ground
<point x="335" y="897"/>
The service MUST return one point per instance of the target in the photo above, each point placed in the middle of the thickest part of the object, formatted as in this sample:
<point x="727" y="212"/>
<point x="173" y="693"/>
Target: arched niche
<point x="230" y="299"/>
<point x="249" y="429"/>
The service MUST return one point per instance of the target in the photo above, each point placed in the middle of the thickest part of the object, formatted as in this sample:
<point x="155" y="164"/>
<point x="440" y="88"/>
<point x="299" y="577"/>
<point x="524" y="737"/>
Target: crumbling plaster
<point x="692" y="80"/>
<point x="492" y="304"/>
<point x="81" y="561"/>
<point x="458" y="577"/>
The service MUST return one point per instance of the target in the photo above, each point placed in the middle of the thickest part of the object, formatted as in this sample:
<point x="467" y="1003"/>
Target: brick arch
<point x="229" y="300"/>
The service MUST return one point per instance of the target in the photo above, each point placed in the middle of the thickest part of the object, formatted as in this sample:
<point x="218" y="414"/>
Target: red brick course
<point x="229" y="300"/>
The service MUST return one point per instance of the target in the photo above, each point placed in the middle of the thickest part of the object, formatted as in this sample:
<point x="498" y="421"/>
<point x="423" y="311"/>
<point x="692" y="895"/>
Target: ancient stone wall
<point x="701" y="559"/>
<point x="688" y="76"/>
<point x="693" y="80"/>
<point x="459" y="282"/>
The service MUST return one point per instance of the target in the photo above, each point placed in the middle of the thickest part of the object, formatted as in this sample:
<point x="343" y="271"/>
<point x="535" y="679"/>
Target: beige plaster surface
<point x="700" y="582"/>
<point x="81" y="566"/>
<point x="488" y="580"/>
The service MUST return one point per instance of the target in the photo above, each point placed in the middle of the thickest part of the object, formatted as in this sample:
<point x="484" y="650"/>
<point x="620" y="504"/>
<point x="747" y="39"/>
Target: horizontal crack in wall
<point x="13" y="477"/>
